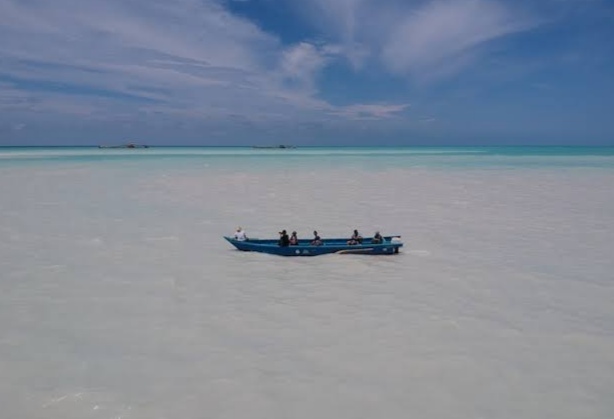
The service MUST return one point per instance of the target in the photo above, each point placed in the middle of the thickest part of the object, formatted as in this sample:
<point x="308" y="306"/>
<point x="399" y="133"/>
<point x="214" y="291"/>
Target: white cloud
<point x="302" y="62"/>
<point x="420" y="39"/>
<point x="116" y="31"/>
<point x="446" y="33"/>
<point x="186" y="54"/>
<point x="186" y="58"/>
<point x="346" y="22"/>
<point x="370" y="111"/>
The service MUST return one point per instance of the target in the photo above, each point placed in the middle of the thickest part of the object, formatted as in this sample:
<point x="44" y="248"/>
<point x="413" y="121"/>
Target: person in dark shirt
<point x="317" y="241"/>
<point x="377" y="238"/>
<point x="356" y="238"/>
<point x="284" y="240"/>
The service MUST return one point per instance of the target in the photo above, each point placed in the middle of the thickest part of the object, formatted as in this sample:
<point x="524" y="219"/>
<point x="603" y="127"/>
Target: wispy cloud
<point x="418" y="39"/>
<point x="441" y="37"/>
<point x="187" y="57"/>
<point x="346" y="22"/>
<point x="178" y="52"/>
<point x="301" y="63"/>
<point x="371" y="111"/>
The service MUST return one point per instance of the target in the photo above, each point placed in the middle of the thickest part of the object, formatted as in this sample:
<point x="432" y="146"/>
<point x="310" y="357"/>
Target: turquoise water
<point x="365" y="157"/>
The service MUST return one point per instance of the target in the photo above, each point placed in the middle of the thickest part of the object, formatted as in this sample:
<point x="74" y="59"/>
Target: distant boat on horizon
<point x="127" y="145"/>
<point x="283" y="146"/>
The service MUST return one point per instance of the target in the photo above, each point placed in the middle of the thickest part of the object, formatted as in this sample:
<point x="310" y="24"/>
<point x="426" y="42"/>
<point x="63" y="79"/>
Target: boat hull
<point x="329" y="246"/>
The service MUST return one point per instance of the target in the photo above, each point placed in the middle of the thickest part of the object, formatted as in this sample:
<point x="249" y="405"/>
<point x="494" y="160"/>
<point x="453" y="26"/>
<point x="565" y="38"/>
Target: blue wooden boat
<point x="390" y="245"/>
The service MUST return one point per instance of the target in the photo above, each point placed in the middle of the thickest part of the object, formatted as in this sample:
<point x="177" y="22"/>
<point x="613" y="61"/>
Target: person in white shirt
<point x="240" y="235"/>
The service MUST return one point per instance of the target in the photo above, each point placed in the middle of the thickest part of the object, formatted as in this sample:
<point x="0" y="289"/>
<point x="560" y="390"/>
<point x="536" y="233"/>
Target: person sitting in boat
<point x="284" y="240"/>
<point x="240" y="235"/>
<point x="377" y="238"/>
<point x="317" y="241"/>
<point x="293" y="239"/>
<point x="355" y="239"/>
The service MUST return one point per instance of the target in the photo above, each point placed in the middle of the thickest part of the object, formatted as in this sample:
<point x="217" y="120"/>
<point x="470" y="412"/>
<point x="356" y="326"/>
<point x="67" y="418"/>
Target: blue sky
<point x="307" y="72"/>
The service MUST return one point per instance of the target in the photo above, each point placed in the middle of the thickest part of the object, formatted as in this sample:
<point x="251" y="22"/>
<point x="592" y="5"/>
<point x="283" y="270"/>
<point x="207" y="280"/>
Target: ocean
<point x="119" y="297"/>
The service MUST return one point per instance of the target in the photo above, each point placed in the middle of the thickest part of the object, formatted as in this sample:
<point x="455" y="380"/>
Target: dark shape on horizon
<point x="282" y="146"/>
<point x="127" y="145"/>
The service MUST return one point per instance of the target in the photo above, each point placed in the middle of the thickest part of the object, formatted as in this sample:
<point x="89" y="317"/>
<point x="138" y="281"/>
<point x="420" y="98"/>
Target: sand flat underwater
<point x="119" y="297"/>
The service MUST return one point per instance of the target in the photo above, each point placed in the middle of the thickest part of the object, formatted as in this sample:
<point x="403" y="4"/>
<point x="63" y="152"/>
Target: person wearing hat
<point x="284" y="240"/>
<point x="240" y="235"/>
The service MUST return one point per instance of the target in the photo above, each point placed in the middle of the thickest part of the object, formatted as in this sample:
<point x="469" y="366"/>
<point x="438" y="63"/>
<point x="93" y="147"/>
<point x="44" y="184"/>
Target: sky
<point x="307" y="72"/>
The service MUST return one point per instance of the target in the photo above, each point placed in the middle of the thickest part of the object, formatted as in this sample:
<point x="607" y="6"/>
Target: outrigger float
<point x="389" y="246"/>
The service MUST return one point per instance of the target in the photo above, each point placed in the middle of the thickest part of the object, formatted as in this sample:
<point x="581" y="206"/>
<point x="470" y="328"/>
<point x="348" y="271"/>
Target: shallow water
<point x="119" y="298"/>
